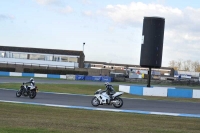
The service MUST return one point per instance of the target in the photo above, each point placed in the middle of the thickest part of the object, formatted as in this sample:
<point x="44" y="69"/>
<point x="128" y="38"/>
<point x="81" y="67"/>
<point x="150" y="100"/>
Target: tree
<point x="179" y="64"/>
<point x="172" y="64"/>
<point x="187" y="65"/>
<point x="175" y="64"/>
<point x="195" y="66"/>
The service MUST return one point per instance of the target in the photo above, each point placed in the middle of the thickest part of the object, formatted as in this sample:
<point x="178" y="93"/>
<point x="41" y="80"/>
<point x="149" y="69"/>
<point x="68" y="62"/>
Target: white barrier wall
<point x="40" y="75"/>
<point x="158" y="91"/>
<point x="124" y="88"/>
<point x="70" y="77"/>
<point x="196" y="94"/>
<point x="15" y="74"/>
<point x="62" y="76"/>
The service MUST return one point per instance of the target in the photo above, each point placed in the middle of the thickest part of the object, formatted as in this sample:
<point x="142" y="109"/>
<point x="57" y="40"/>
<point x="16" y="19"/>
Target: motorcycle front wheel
<point x="118" y="102"/>
<point x="95" y="102"/>
<point x="32" y="94"/>
<point x="18" y="93"/>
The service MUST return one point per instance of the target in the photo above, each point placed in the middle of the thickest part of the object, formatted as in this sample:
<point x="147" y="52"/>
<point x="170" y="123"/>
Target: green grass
<point x="88" y="90"/>
<point x="19" y="118"/>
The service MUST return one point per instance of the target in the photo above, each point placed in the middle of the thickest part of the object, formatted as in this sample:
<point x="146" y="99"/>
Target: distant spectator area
<point x="51" y="57"/>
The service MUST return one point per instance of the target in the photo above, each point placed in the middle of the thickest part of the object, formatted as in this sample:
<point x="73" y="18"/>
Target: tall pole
<point x="83" y="47"/>
<point x="149" y="77"/>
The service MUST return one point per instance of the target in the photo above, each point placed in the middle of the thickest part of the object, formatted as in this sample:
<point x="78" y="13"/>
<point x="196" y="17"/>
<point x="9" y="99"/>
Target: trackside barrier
<point x="3" y="73"/>
<point x="94" y="78"/>
<point x="88" y="77"/>
<point x="160" y="91"/>
<point x="80" y="77"/>
<point x="70" y="77"/>
<point x="106" y="79"/>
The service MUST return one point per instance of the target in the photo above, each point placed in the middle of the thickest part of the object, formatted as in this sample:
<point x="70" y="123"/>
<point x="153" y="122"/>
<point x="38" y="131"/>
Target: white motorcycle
<point x="25" y="91"/>
<point x="101" y="97"/>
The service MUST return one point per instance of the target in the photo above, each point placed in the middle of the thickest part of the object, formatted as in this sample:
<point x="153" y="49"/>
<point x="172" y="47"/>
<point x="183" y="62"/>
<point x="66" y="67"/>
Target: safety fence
<point x="68" y="77"/>
<point x="161" y="91"/>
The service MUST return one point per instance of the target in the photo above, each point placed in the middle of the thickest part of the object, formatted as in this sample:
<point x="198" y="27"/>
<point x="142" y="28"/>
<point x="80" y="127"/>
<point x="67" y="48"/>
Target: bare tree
<point x="185" y="67"/>
<point x="195" y="66"/>
<point x="172" y="64"/>
<point x="179" y="64"/>
<point x="189" y="64"/>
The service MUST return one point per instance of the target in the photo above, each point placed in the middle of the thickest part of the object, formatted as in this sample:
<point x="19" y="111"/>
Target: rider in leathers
<point x="109" y="89"/>
<point x="32" y="84"/>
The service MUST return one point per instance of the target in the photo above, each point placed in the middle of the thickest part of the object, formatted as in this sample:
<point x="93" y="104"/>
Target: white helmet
<point x="106" y="84"/>
<point x="31" y="79"/>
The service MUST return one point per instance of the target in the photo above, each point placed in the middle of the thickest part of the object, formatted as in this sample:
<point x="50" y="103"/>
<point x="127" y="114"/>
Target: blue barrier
<point x="88" y="77"/>
<point x="137" y="90"/>
<point x="3" y="73"/>
<point x="53" y="76"/>
<point x="96" y="78"/>
<point x="106" y="79"/>
<point x="183" y="93"/>
<point x="27" y="74"/>
<point x="80" y="77"/>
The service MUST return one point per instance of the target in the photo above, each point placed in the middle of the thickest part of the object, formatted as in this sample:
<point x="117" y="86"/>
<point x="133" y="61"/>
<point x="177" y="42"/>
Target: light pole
<point x="83" y="47"/>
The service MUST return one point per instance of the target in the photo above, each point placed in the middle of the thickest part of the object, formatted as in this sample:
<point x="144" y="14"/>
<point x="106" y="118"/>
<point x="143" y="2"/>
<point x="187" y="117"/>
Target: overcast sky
<point x="111" y="29"/>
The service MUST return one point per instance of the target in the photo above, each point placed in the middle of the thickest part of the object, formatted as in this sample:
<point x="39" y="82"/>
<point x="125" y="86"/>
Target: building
<point x="26" y="57"/>
<point x="163" y="71"/>
<point x="45" y="57"/>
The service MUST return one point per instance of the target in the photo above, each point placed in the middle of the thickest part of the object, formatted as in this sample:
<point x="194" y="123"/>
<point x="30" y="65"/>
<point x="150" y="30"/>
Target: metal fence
<point x="35" y="64"/>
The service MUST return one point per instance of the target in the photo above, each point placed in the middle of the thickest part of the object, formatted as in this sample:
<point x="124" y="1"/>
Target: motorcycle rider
<point x="109" y="89"/>
<point x="32" y="84"/>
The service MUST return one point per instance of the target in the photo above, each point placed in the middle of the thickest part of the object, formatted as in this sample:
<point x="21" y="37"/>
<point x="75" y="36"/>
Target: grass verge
<point x="19" y="118"/>
<point x="88" y="90"/>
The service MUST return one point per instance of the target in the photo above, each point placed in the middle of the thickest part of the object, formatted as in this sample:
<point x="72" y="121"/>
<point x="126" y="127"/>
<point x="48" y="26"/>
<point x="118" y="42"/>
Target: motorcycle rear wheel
<point x="95" y="102"/>
<point x="118" y="102"/>
<point x="32" y="94"/>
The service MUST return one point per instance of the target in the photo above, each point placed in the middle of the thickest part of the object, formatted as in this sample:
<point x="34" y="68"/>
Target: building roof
<point x="41" y="50"/>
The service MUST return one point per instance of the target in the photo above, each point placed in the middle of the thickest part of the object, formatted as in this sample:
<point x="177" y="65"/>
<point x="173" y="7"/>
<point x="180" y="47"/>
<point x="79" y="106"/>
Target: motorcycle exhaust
<point x="112" y="101"/>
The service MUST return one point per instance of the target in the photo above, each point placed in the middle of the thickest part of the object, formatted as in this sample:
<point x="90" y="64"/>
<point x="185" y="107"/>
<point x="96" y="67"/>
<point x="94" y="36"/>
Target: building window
<point x="2" y="54"/>
<point x="19" y="55"/>
<point x="64" y="58"/>
<point x="49" y="58"/>
<point x="56" y="58"/>
<point x="73" y="59"/>
<point x="23" y="56"/>
<point x="15" y="55"/>
<point x="37" y="57"/>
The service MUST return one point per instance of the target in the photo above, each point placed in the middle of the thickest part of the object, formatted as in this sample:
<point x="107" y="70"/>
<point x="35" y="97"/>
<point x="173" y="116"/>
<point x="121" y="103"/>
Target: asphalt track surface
<point x="82" y="100"/>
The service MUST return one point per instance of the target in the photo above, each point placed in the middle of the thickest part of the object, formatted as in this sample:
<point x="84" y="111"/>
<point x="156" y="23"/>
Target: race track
<point x="129" y="104"/>
<point x="186" y="109"/>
